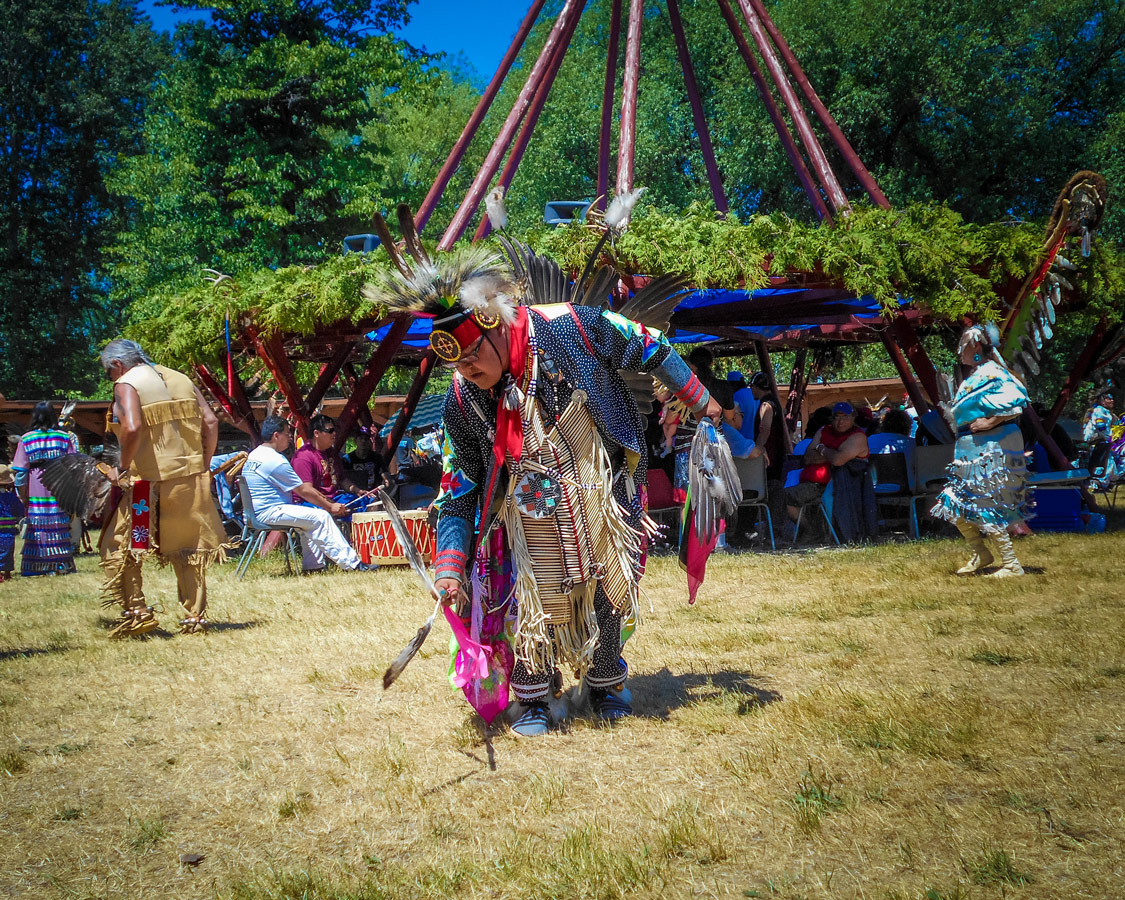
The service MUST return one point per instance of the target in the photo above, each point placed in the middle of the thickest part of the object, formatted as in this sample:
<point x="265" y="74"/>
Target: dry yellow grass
<point x="836" y="724"/>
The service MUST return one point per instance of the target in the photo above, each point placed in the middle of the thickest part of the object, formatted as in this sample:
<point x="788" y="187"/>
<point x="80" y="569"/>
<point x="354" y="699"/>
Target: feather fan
<point x="80" y="485"/>
<point x="713" y="480"/>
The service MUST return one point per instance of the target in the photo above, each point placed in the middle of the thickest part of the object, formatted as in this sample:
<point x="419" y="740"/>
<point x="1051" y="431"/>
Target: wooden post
<point x="272" y="352"/>
<point x="377" y="365"/>
<point x="812" y="191"/>
<point x="608" y="92"/>
<point x="834" y="131"/>
<point x="1078" y="372"/>
<point x="797" y="385"/>
<point x="767" y="367"/>
<point x="819" y="161"/>
<point x="328" y="374"/>
<point x="627" y="139"/>
<point x="409" y="404"/>
<point x="700" y="119"/>
<point x="530" y="122"/>
<point x="907" y="338"/>
<point x="917" y="397"/>
<point x="468" y="207"/>
<point x="211" y="384"/>
<point x="459" y="148"/>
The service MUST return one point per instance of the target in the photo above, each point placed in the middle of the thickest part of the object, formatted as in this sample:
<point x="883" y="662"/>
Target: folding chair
<point x="254" y="533"/>
<point x="892" y="485"/>
<point x="752" y="474"/>
<point x="930" y="475"/>
<point x="819" y="504"/>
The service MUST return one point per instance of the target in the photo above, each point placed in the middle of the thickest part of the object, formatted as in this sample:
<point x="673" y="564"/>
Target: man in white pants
<point x="272" y="484"/>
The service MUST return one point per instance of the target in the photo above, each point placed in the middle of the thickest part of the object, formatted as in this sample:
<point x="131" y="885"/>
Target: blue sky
<point x="480" y="30"/>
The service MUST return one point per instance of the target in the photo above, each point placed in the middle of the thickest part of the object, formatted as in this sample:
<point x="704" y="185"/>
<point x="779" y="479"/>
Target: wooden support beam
<point x="627" y="138"/>
<point x="846" y="150"/>
<point x="212" y="386"/>
<point x="409" y="404"/>
<point x="812" y="191"/>
<point x="609" y="90"/>
<point x="454" y="159"/>
<point x="798" y="383"/>
<point x="571" y="10"/>
<point x="272" y="352"/>
<point x="242" y="404"/>
<point x="801" y="122"/>
<point x="701" y="129"/>
<point x="537" y="102"/>
<point x="907" y="339"/>
<point x="377" y="365"/>
<point x="1078" y="372"/>
<point x="917" y="397"/>
<point x="767" y="367"/>
<point x="328" y="374"/>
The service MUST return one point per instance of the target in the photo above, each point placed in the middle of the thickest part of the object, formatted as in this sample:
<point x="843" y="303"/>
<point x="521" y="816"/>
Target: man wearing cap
<point x="839" y="452"/>
<point x="542" y="507"/>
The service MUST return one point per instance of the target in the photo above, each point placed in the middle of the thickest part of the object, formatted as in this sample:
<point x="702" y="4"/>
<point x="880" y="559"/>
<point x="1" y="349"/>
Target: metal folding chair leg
<point x="797" y="526"/>
<point x="831" y="528"/>
<point x="769" y="525"/>
<point x="248" y="554"/>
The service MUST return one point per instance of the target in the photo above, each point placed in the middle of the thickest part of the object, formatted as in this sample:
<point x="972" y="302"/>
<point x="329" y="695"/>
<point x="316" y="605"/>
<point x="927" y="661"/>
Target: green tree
<point x="271" y="136"/>
<point x="73" y="87"/>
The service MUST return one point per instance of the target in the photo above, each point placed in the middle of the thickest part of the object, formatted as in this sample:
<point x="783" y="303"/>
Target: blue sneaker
<point x="609" y="705"/>
<point x="534" y="721"/>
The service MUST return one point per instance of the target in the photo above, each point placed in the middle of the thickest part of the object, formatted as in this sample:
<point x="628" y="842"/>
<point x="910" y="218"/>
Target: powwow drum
<point x="375" y="542"/>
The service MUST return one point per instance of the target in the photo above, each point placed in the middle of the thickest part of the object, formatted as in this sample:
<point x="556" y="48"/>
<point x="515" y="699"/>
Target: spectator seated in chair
<point x="318" y="463"/>
<point x="894" y="437"/>
<point x="272" y="482"/>
<point x="839" y="455"/>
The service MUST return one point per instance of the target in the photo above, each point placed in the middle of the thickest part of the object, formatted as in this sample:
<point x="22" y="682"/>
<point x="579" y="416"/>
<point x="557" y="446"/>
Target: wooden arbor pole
<point x="786" y="137"/>
<point x="409" y="404"/>
<point x="536" y="108"/>
<point x="917" y="397"/>
<point x="834" y="131"/>
<point x="627" y="140"/>
<point x="377" y="365"/>
<point x="797" y="385"/>
<point x="819" y="161"/>
<point x="482" y="107"/>
<point x="701" y="129"/>
<point x="608" y="92"/>
<point x="572" y="10"/>
<point x="767" y="367"/>
<point x="1078" y="372"/>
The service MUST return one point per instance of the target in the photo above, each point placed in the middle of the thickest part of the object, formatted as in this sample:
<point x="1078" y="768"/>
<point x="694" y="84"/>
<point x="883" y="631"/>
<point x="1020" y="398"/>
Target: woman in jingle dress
<point x="986" y="489"/>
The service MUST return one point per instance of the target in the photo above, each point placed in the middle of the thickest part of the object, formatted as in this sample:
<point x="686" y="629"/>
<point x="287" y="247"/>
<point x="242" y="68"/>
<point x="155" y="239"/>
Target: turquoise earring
<point x="976" y="357"/>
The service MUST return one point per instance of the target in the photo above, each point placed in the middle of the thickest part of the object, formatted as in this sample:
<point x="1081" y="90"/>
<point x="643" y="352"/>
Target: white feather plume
<point x="621" y="209"/>
<point x="497" y="212"/>
<point x="490" y="293"/>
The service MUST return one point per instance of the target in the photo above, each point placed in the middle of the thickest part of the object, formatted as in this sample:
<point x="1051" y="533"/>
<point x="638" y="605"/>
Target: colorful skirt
<point x="987" y="480"/>
<point x="7" y="548"/>
<point x="47" y="549"/>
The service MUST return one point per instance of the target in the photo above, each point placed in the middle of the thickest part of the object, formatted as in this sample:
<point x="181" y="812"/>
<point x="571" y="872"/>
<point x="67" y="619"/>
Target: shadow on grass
<point x="21" y="652"/>
<point x="656" y="694"/>
<point x="233" y="626"/>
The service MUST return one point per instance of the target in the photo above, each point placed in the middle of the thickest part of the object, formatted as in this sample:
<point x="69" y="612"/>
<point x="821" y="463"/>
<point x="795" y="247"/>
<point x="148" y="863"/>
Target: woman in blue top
<point x="986" y="490"/>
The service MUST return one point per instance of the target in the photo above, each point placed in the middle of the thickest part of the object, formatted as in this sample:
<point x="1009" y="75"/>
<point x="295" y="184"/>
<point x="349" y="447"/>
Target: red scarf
<point x="509" y="425"/>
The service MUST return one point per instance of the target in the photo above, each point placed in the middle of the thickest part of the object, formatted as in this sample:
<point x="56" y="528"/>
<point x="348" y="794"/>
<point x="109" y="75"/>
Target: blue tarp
<point x="862" y="307"/>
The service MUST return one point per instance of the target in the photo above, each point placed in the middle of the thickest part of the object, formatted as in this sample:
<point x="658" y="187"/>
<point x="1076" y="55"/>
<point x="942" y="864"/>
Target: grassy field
<point x="854" y="723"/>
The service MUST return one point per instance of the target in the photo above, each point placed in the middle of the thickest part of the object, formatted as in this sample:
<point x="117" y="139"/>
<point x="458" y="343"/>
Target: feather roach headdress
<point x="465" y="292"/>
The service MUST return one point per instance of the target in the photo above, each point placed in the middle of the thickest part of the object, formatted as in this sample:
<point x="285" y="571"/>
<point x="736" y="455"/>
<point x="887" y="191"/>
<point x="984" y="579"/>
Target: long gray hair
<point x="126" y="352"/>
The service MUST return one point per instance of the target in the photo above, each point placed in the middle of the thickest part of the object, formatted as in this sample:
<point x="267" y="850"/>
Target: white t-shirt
<point x="270" y="478"/>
